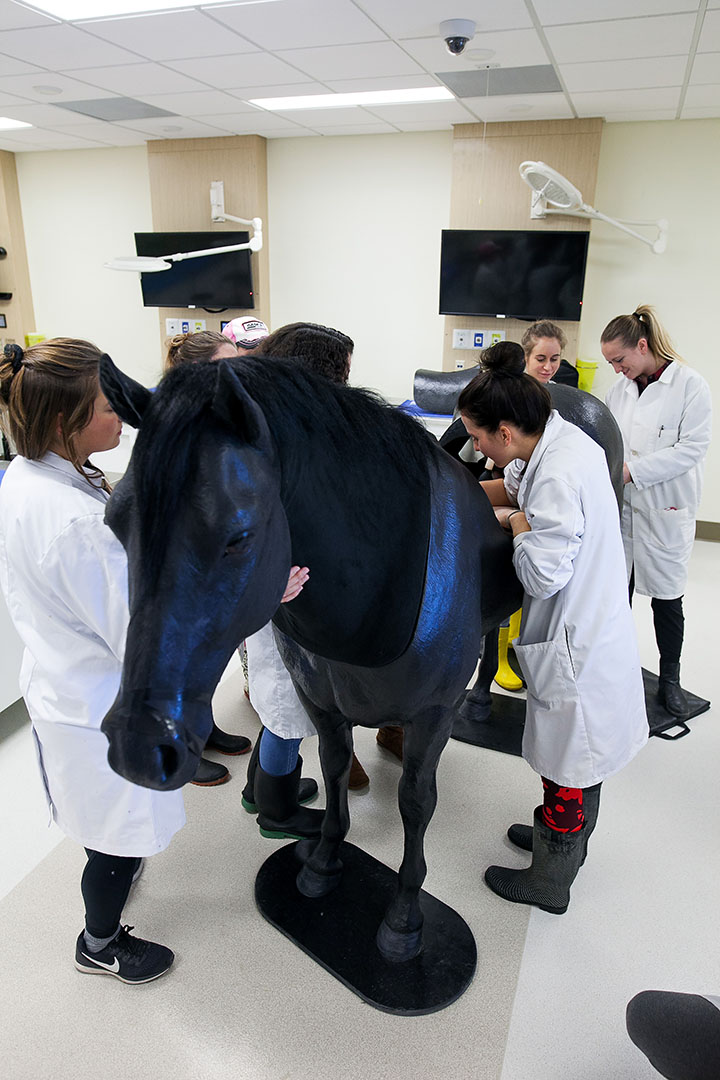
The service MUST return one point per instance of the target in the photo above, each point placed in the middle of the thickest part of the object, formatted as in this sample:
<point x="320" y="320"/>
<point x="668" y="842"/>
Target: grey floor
<point x="243" y="1003"/>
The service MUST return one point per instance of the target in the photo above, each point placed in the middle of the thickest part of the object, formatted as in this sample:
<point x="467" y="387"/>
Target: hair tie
<point x="638" y="317"/>
<point x="14" y="354"/>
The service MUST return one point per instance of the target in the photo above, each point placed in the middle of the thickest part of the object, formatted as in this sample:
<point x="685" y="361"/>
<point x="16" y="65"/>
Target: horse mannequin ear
<point x="236" y="408"/>
<point x="128" y="398"/>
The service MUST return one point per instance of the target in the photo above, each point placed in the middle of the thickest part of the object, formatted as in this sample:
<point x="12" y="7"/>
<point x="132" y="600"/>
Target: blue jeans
<point x="278" y="757"/>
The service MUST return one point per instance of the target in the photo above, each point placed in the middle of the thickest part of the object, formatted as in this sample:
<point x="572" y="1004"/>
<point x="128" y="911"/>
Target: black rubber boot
<point x="225" y="743"/>
<point x="210" y="773"/>
<point x="280" y="815"/>
<point x="522" y="835"/>
<point x="546" y="882"/>
<point x="307" y="790"/>
<point x="670" y="692"/>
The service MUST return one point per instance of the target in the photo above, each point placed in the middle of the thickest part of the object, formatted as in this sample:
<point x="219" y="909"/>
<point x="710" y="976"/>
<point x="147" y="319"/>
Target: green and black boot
<point x="280" y="815"/>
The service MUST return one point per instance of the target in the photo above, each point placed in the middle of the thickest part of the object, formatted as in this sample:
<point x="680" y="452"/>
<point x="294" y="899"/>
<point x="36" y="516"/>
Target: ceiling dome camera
<point x="457" y="33"/>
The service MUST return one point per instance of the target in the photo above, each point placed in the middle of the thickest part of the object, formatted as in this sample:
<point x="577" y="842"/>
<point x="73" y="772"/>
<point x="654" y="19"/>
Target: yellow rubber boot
<point x="505" y="676"/>
<point x="514" y="628"/>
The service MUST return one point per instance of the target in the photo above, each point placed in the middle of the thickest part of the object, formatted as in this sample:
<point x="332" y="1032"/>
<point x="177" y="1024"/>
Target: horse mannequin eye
<point x="237" y="544"/>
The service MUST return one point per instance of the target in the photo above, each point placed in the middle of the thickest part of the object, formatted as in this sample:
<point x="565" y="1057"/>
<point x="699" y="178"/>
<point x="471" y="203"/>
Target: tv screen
<point x="211" y="281"/>
<point x="516" y="273"/>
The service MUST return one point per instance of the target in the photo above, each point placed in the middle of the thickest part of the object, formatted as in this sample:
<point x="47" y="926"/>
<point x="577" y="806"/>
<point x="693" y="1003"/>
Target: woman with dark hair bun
<point x="577" y="648"/>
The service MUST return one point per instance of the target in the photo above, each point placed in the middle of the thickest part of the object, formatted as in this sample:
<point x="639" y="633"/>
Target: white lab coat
<point x="64" y="576"/>
<point x="272" y="692"/>
<point x="577" y="647"/>
<point x="666" y="433"/>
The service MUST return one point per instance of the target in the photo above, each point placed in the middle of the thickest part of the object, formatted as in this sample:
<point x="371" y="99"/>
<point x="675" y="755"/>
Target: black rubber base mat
<point x="503" y="729"/>
<point x="338" y="931"/>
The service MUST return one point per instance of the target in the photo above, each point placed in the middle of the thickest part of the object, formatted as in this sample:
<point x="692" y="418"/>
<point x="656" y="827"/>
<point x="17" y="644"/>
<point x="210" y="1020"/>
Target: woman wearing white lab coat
<point x="577" y="648"/>
<point x="664" y="411"/>
<point x="64" y="576"/>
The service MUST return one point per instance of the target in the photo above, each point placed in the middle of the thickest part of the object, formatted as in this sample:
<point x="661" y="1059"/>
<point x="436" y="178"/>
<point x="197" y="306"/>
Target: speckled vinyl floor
<point x="243" y="1003"/>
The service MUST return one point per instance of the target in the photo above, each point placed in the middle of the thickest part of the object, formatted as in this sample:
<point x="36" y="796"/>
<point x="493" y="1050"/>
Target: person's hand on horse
<point x="298" y="577"/>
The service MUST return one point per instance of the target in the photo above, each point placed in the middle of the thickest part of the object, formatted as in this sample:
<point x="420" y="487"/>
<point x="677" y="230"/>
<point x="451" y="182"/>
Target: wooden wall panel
<point x="488" y="193"/>
<point x="181" y="171"/>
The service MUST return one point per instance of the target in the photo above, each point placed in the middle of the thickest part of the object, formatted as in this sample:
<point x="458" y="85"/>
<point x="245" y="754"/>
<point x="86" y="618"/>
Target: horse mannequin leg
<point x="322" y="869"/>
<point x="399" y="937"/>
<point x="478" y="702"/>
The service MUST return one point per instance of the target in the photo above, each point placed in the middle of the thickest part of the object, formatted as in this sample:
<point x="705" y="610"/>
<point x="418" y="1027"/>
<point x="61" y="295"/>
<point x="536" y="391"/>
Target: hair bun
<point x="14" y="354"/>
<point x="505" y="358"/>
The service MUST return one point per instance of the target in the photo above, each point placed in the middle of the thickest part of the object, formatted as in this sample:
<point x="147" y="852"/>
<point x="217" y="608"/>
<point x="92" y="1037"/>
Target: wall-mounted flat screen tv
<point x="211" y="281"/>
<point x="520" y="274"/>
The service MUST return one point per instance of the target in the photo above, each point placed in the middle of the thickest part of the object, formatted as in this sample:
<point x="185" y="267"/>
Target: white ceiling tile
<point x="258" y="122"/>
<point x="706" y="69"/>
<point x="61" y="48"/>
<point x="129" y="80"/>
<point x="245" y="93"/>
<point x="424" y="125"/>
<point x="552" y="12"/>
<point x="69" y="89"/>
<point x="702" y="95"/>
<point x="299" y="24"/>
<point x="55" y="140"/>
<point x="258" y="69"/>
<point x="376" y="128"/>
<point x="707" y="113"/>
<point x="520" y="107"/>
<point x="16" y="17"/>
<point x="398" y="82"/>
<point x="665" y="35"/>
<point x="450" y="112"/>
<point x="48" y="116"/>
<point x="510" y="48"/>
<point x="7" y="100"/>
<point x="422" y="18"/>
<point x="110" y="134"/>
<point x="710" y="35"/>
<point x="203" y="102"/>
<point x="10" y="66"/>
<point x="644" y="116"/>
<point x="615" y="101"/>
<point x="174" y="127"/>
<point x="625" y="74"/>
<point x="352" y="61"/>
<point x="170" y="36"/>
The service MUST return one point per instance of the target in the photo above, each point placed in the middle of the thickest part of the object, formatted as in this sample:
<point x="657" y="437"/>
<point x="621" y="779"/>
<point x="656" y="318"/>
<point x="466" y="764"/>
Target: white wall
<point x="81" y="208"/>
<point x="354" y="231"/>
<point x="672" y="170"/>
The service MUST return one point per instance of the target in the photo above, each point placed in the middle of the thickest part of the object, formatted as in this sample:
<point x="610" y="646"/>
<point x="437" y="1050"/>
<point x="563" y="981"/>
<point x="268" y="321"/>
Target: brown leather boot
<point x="358" y="777"/>
<point x="391" y="738"/>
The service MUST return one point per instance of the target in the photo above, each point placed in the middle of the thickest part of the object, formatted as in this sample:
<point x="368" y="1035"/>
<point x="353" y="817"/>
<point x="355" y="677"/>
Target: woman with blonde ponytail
<point x="664" y="411"/>
<point x="64" y="576"/>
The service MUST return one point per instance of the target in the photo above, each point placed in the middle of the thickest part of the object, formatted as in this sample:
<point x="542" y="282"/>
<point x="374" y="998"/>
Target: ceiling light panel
<point x="7" y="123"/>
<point x="104" y="9"/>
<point x="341" y="101"/>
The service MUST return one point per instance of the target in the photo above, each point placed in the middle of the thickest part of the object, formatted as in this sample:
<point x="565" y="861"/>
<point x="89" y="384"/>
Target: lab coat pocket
<point x="667" y="436"/>
<point x="668" y="527"/>
<point x="547" y="669"/>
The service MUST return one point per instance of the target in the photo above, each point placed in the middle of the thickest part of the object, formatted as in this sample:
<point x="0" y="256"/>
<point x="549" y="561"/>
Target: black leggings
<point x="105" y="886"/>
<point x="669" y="624"/>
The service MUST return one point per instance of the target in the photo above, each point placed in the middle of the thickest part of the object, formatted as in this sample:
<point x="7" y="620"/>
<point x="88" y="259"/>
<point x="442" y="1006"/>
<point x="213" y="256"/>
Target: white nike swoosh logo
<point x="115" y="966"/>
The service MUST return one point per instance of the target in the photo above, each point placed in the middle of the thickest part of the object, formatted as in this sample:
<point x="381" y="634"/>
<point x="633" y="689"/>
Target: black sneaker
<point x="130" y="959"/>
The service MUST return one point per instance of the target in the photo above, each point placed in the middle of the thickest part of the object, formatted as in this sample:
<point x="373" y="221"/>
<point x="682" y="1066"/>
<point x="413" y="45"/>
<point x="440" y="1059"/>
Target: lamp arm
<point x="180" y="256"/>
<point x="657" y="246"/>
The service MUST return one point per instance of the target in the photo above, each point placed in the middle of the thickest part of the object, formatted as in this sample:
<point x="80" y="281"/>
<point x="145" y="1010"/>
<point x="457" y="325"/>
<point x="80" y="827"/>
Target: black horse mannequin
<point x="409" y="569"/>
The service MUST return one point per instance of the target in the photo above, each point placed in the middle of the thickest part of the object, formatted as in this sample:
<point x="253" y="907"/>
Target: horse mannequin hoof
<point x="313" y="884"/>
<point x="396" y="946"/>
